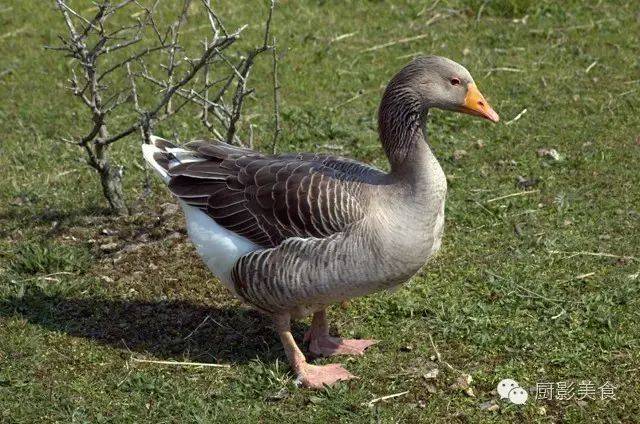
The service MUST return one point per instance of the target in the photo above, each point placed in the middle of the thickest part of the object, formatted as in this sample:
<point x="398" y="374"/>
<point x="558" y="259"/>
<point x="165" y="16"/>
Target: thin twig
<point x="44" y="276"/>
<point x="356" y="96"/>
<point x="376" y="400"/>
<point x="243" y="71"/>
<point x="502" y="69"/>
<point x="596" y="254"/>
<point x="14" y="33"/>
<point x="193" y="364"/>
<point x="408" y="39"/>
<point x="197" y="327"/>
<point x="435" y="349"/>
<point x="276" y="99"/>
<point x="507" y="196"/>
<point x="175" y="35"/>
<point x="590" y="67"/>
<point x="531" y="292"/>
<point x="428" y="9"/>
<point x="439" y="357"/>
<point x="342" y="37"/>
<point x="518" y="116"/>
<point x="214" y="21"/>
<point x="267" y="28"/>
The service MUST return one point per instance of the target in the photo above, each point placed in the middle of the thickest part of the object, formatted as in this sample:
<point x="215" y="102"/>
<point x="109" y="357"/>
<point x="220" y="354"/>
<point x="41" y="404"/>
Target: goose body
<point x="291" y="234"/>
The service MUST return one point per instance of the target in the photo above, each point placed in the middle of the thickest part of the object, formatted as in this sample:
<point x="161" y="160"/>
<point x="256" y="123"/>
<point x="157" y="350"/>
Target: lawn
<point x="538" y="278"/>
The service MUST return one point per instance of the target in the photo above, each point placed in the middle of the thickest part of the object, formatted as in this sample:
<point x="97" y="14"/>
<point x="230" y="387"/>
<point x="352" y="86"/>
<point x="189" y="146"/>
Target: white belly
<point x="218" y="247"/>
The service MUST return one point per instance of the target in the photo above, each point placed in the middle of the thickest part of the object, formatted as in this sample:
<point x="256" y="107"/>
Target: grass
<point x="497" y="302"/>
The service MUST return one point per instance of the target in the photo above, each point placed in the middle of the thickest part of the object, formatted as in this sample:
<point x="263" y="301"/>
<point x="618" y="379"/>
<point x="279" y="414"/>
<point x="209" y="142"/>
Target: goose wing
<point x="270" y="198"/>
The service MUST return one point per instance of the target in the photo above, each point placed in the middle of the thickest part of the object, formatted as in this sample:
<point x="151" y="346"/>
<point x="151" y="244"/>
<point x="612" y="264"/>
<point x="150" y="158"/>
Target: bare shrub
<point x="142" y="70"/>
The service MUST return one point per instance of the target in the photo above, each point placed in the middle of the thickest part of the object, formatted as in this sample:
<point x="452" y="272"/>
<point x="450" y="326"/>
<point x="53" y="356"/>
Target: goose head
<point x="438" y="82"/>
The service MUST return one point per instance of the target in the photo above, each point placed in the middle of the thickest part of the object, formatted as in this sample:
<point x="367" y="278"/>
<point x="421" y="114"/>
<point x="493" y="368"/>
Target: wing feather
<point x="269" y="198"/>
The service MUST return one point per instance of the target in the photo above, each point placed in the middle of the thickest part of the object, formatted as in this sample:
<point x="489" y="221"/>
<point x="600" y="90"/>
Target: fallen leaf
<point x="281" y="394"/>
<point x="517" y="228"/>
<point x="462" y="382"/>
<point x="420" y="368"/>
<point x="431" y="374"/>
<point x="431" y="388"/>
<point x="109" y="247"/>
<point x="507" y="162"/>
<point x="315" y="399"/>
<point x="550" y="154"/>
<point x="459" y="154"/>
<point x="132" y="247"/>
<point x="18" y="201"/>
<point x="169" y="209"/>
<point x="108" y="232"/>
<point x="523" y="182"/>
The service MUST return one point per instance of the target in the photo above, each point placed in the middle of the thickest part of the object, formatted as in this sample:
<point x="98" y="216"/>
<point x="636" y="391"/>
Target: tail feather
<point x="163" y="155"/>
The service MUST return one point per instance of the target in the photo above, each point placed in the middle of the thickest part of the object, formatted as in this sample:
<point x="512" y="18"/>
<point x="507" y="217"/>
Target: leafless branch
<point x="216" y="23"/>
<point x="276" y="100"/>
<point x="244" y="70"/>
<point x="106" y="56"/>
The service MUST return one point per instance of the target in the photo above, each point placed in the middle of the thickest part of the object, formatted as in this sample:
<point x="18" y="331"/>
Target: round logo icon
<point x="505" y="386"/>
<point x="518" y="395"/>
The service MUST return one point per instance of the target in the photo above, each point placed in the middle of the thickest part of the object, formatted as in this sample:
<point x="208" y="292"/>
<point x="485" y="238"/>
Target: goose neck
<point x="402" y="127"/>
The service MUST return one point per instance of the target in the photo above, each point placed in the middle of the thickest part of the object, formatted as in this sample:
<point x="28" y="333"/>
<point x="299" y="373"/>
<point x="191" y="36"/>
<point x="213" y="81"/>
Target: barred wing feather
<point x="269" y="198"/>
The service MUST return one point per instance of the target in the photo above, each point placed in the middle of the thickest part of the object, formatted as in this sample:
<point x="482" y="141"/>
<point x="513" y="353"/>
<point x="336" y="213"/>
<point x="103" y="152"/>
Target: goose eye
<point x="455" y="81"/>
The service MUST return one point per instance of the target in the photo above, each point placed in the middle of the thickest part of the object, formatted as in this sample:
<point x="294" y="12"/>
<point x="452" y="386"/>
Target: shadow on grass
<point x="166" y="330"/>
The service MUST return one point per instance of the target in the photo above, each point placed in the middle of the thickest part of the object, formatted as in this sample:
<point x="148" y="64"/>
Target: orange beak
<point x="475" y="104"/>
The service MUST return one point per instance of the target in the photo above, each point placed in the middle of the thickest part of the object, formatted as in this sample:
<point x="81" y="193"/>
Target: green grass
<point x="496" y="302"/>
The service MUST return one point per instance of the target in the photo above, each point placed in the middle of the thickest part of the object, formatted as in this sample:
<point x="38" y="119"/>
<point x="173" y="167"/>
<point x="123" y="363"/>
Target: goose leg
<point x="322" y="344"/>
<point x="311" y="376"/>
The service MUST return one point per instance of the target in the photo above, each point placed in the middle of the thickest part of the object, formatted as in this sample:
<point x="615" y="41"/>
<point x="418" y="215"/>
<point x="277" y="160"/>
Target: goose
<point x="291" y="234"/>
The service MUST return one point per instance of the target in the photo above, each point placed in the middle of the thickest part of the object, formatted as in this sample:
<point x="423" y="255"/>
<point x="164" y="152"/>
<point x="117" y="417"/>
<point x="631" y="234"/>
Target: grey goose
<point x="291" y="234"/>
